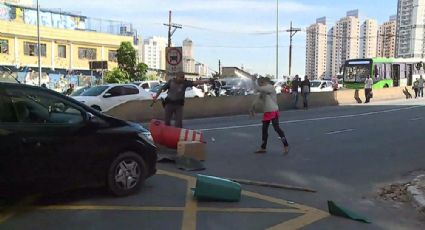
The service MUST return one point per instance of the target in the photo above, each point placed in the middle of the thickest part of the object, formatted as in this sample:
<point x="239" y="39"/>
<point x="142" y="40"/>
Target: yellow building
<point x="67" y="44"/>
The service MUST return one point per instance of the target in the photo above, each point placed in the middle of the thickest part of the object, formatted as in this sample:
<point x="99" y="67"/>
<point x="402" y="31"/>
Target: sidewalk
<point x="416" y="192"/>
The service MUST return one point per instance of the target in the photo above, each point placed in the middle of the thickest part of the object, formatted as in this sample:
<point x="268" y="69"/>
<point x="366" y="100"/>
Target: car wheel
<point x="196" y="96"/>
<point x="126" y="174"/>
<point x="96" y="107"/>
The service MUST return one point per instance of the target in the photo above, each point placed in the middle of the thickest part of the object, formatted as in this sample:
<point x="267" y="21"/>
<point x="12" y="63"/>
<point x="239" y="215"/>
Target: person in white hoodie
<point x="266" y="102"/>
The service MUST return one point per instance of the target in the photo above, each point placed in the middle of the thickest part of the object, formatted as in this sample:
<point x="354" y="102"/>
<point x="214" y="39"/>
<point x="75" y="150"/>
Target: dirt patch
<point x="394" y="192"/>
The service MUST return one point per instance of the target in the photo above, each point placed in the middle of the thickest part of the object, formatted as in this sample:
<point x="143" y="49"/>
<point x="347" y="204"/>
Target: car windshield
<point x="356" y="73"/>
<point x="233" y="82"/>
<point x="315" y="83"/>
<point x="95" y="91"/>
<point x="79" y="92"/>
<point x="155" y="89"/>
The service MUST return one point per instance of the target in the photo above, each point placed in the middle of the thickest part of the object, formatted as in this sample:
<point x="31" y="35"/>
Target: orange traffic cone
<point x="170" y="136"/>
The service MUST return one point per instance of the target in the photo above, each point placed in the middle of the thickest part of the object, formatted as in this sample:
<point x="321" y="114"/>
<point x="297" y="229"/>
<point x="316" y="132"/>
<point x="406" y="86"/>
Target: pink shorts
<point x="268" y="116"/>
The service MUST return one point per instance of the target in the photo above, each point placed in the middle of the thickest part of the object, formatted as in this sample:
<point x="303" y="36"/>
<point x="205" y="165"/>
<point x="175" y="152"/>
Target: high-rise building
<point x="369" y="32"/>
<point x="188" y="57"/>
<point x="345" y="40"/>
<point x="316" y="49"/>
<point x="329" y="58"/>
<point x="153" y="52"/>
<point x="387" y="38"/>
<point x="410" y="28"/>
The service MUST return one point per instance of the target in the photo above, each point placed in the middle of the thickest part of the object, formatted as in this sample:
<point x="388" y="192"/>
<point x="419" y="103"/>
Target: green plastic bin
<point x="217" y="189"/>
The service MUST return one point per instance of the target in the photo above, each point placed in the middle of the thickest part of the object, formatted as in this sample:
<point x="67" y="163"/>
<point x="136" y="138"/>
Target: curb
<point x="416" y="193"/>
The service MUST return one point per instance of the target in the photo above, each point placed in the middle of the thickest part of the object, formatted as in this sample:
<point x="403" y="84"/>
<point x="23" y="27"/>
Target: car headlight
<point x="147" y="135"/>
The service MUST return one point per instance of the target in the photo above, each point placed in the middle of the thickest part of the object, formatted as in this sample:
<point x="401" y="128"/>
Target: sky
<point x="238" y="32"/>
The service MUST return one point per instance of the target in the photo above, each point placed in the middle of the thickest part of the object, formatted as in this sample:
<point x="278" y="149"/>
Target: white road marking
<point x="416" y="119"/>
<point x="317" y="119"/>
<point x="340" y="131"/>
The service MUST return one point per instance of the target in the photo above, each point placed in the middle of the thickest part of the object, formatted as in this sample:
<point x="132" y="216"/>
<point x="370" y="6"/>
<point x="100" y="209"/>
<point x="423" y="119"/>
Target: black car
<point x="49" y="141"/>
<point x="237" y="86"/>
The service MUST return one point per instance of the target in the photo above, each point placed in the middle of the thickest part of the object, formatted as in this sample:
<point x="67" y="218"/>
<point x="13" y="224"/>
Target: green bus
<point x="385" y="72"/>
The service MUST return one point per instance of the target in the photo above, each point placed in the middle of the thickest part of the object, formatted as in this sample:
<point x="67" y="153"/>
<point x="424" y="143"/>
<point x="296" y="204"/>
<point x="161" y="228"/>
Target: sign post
<point x="174" y="56"/>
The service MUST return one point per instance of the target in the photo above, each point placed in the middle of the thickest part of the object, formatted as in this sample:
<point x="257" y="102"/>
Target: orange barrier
<point x="170" y="136"/>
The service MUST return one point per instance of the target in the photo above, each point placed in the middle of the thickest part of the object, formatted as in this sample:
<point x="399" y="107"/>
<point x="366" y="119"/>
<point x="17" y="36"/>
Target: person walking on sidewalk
<point x="421" y="87"/>
<point x="295" y="85"/>
<point x="267" y="102"/>
<point x="174" y="102"/>
<point x="305" y="90"/>
<point x="416" y="88"/>
<point x="368" y="89"/>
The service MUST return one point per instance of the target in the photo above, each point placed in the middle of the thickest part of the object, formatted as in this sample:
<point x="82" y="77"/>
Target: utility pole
<point x="277" y="39"/>
<point x="172" y="27"/>
<point x="292" y="31"/>
<point x="38" y="44"/>
<point x="219" y="67"/>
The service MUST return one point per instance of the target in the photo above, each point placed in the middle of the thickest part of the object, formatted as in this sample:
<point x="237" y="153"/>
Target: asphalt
<point x="346" y="153"/>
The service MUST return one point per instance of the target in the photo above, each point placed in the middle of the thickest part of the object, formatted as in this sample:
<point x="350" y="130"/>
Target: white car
<point x="321" y="86"/>
<point x="147" y="85"/>
<point x="105" y="97"/>
<point x="191" y="92"/>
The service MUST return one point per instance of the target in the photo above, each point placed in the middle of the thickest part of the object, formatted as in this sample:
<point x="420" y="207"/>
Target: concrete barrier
<point x="226" y="106"/>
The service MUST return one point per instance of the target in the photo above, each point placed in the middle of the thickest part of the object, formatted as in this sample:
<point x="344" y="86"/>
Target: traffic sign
<point x="174" y="56"/>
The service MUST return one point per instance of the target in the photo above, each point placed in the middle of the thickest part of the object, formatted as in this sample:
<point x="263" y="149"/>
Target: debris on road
<point x="395" y="192"/>
<point x="416" y="192"/>
<point x="192" y="149"/>
<point x="272" y="185"/>
<point x="189" y="164"/>
<point x="211" y="188"/>
<point x="337" y="210"/>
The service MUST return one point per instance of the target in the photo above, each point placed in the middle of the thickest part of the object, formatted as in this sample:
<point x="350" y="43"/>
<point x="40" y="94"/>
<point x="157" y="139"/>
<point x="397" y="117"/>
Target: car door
<point x="130" y="93"/>
<point x="51" y="133"/>
<point x="9" y="141"/>
<point x="113" y="97"/>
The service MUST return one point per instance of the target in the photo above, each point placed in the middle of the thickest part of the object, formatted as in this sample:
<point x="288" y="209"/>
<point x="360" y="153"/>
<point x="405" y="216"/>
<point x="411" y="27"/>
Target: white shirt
<point x="368" y="83"/>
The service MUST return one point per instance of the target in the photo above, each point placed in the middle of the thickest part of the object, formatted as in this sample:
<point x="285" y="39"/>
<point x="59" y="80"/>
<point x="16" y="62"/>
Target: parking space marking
<point x="7" y="213"/>
<point x="190" y="211"/>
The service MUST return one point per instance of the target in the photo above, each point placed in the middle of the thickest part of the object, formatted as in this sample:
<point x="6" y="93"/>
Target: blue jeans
<point x="305" y="99"/>
<point x="421" y="92"/>
<point x="295" y="99"/>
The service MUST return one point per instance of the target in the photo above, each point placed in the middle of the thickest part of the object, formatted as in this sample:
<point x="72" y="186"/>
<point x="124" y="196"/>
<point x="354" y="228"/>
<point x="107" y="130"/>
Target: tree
<point x="117" y="75"/>
<point x="127" y="62"/>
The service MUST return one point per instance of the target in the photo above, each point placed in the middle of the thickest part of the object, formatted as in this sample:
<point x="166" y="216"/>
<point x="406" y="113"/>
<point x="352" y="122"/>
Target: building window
<point x="87" y="53"/>
<point x="112" y="56"/>
<point x="30" y="49"/>
<point x="4" y="46"/>
<point x="62" y="51"/>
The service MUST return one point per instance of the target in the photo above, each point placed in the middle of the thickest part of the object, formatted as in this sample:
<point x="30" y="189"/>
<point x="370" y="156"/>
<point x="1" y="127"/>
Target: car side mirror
<point x="93" y="119"/>
<point x="106" y="95"/>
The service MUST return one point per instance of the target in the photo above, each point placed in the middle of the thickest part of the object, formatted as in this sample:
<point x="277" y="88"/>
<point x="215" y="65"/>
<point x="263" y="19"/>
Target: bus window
<point x="402" y="71"/>
<point x="388" y="71"/>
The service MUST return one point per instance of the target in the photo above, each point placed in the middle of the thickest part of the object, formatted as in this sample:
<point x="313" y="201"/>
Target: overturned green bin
<point x="211" y="188"/>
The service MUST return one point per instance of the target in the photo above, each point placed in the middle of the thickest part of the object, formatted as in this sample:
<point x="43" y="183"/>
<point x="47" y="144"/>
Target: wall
<point x="226" y="106"/>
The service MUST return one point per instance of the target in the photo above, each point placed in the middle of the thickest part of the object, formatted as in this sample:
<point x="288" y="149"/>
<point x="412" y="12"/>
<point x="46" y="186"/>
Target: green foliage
<point x="116" y="76"/>
<point x="130" y="70"/>
<point x="152" y="77"/>
<point x="140" y="72"/>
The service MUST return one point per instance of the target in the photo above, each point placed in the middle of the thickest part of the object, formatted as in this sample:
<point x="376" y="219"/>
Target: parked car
<point x="80" y="91"/>
<point x="147" y="85"/>
<point x="105" y="97"/>
<point x="238" y="86"/>
<point x="321" y="86"/>
<point x="52" y="142"/>
<point x="191" y="92"/>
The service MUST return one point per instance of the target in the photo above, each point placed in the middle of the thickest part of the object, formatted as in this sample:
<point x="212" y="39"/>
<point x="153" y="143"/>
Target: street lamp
<point x="277" y="39"/>
<point x="38" y="44"/>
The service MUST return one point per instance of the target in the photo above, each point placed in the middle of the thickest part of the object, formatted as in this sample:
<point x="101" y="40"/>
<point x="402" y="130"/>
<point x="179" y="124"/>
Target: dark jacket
<point x="306" y="86"/>
<point x="295" y="85"/>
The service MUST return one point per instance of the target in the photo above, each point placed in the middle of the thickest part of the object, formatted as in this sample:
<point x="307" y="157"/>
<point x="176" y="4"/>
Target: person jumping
<point x="267" y="102"/>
